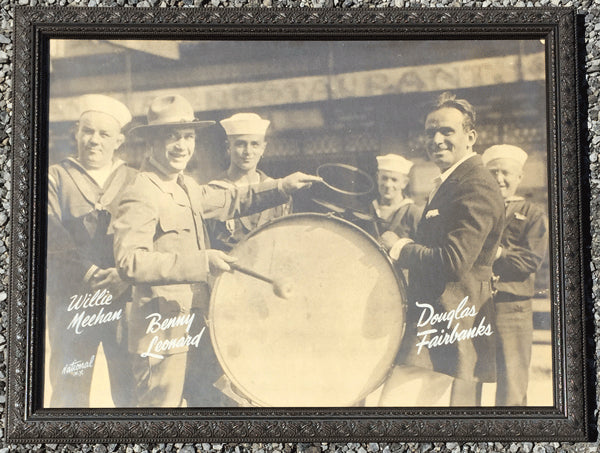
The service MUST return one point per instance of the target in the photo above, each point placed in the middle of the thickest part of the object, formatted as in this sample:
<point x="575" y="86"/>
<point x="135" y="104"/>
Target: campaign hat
<point x="170" y="111"/>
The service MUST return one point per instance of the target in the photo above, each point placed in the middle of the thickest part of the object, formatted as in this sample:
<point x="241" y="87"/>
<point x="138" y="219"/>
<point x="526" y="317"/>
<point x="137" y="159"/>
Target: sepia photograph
<point x="298" y="223"/>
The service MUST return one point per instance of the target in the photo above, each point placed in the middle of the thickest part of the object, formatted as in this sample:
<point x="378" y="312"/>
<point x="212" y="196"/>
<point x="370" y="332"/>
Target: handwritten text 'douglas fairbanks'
<point x="433" y="337"/>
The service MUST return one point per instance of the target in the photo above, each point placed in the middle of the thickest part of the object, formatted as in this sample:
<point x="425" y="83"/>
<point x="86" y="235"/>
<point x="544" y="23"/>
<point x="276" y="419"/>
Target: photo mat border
<point x="571" y="418"/>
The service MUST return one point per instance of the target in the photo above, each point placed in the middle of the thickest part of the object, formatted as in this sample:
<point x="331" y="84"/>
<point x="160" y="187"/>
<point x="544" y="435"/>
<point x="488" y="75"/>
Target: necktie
<point x="437" y="182"/>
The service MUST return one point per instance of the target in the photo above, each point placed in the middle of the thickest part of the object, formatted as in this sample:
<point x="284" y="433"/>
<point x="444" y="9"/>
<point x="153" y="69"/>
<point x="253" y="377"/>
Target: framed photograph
<point x="299" y="225"/>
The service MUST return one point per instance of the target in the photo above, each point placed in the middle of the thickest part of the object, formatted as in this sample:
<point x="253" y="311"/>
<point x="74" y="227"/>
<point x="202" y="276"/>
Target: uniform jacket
<point x="524" y="243"/>
<point x="160" y="243"/>
<point x="79" y="213"/>
<point x="450" y="260"/>
<point x="225" y="234"/>
<point x="403" y="222"/>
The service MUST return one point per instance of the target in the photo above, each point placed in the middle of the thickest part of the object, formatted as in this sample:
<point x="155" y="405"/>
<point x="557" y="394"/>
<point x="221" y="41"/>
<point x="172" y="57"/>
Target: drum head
<point x="333" y="339"/>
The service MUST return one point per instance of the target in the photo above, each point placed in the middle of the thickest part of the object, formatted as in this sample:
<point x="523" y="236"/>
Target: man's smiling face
<point x="447" y="140"/>
<point x="98" y="136"/>
<point x="173" y="148"/>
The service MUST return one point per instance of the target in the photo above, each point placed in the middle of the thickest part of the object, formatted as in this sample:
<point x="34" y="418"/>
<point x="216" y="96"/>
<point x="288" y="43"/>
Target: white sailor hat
<point x="504" y="152"/>
<point x="394" y="162"/>
<point x="105" y="104"/>
<point x="245" y="124"/>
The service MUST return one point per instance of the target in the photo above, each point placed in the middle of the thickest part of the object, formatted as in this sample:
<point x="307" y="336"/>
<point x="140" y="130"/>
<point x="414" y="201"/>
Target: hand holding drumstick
<point x="297" y="181"/>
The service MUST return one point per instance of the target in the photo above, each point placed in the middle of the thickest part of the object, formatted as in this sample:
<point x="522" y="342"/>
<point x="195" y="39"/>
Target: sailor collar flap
<point x="98" y="197"/>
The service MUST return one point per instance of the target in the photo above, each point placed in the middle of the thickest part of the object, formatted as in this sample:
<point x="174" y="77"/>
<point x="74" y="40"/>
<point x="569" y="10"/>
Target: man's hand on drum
<point x="218" y="261"/>
<point x="297" y="181"/>
<point x="388" y="239"/>
<point x="393" y="244"/>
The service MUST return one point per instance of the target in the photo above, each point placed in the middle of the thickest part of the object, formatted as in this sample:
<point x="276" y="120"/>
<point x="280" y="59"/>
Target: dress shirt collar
<point x="439" y="180"/>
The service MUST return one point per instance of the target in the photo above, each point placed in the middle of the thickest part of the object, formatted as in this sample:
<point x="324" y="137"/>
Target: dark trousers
<point x="73" y="358"/>
<point x="514" y="334"/>
<point x="159" y="382"/>
<point x="188" y="376"/>
<point x="203" y="370"/>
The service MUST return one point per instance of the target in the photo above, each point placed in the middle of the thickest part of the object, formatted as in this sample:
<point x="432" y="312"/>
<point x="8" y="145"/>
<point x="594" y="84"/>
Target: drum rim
<point x="399" y="278"/>
<point x="347" y="167"/>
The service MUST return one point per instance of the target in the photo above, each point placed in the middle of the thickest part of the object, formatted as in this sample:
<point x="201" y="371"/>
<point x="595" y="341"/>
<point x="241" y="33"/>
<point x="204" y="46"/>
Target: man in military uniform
<point x="521" y="252"/>
<point x="86" y="297"/>
<point x="162" y="247"/>
<point x="450" y="313"/>
<point x="245" y="146"/>
<point x="392" y="210"/>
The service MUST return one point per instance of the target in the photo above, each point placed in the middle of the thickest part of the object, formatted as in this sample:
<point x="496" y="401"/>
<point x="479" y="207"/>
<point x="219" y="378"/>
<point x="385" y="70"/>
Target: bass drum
<point x="333" y="339"/>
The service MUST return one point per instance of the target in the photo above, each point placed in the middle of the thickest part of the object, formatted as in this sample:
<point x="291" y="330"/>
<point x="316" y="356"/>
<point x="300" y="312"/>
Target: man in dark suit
<point x="450" y="314"/>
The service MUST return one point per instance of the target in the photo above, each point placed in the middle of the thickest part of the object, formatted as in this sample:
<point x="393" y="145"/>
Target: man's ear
<point x="472" y="137"/>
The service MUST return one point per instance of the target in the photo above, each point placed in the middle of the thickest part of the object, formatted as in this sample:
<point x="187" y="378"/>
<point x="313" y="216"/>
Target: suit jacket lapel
<point x="453" y="179"/>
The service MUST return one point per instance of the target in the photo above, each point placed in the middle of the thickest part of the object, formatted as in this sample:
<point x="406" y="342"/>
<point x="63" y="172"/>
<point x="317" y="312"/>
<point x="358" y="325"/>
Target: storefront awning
<point x="297" y="90"/>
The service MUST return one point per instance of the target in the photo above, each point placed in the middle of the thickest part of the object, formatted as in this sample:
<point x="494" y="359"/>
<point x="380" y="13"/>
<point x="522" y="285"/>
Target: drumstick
<point x="281" y="288"/>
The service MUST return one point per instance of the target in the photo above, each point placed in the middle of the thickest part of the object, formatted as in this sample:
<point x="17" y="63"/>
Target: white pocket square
<point x="432" y="213"/>
<point x="520" y="216"/>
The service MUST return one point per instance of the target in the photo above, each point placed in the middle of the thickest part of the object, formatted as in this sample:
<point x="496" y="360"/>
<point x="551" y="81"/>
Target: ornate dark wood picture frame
<point x="346" y="56"/>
